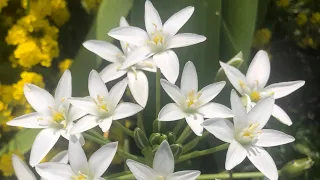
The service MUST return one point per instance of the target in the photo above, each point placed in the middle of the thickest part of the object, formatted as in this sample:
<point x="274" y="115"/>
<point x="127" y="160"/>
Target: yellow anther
<point x="40" y="119"/>
<point x="62" y="99"/>
<point x="192" y="98"/>
<point x="242" y="85"/>
<point x="160" y="178"/>
<point x="255" y="96"/>
<point x="158" y="39"/>
<point x="79" y="177"/>
<point x="249" y="132"/>
<point x="103" y="107"/>
<point x="58" y="117"/>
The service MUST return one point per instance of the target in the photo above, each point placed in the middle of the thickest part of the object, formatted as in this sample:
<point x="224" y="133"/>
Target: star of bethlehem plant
<point x="150" y="50"/>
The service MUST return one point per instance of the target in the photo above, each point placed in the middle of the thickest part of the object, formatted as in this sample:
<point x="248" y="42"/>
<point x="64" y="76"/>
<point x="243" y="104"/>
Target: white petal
<point x="240" y="117"/>
<point x="102" y="158"/>
<point x="184" y="175"/>
<point x="235" y="155"/>
<point x="132" y="35"/>
<point x="163" y="162"/>
<point x="61" y="157"/>
<point x="185" y="39"/>
<point x="151" y="18"/>
<point x="173" y="91"/>
<point x="170" y="112"/>
<point x="105" y="124"/>
<point x="116" y="94"/>
<point x="215" y="110"/>
<point x="141" y="171"/>
<point x="147" y="65"/>
<point x="210" y="91"/>
<point x="139" y="87"/>
<point x="236" y="78"/>
<point x="54" y="171"/>
<point x="111" y="72"/>
<point x="221" y="128"/>
<point x="96" y="86"/>
<point x="64" y="88"/>
<point x="75" y="113"/>
<point x="189" y="79"/>
<point x="85" y="104"/>
<point x="77" y="157"/>
<point x="280" y="90"/>
<point x="103" y="49"/>
<point x="259" y="69"/>
<point x="126" y="109"/>
<point x="85" y="123"/>
<point x="123" y="22"/>
<point x="176" y="21"/>
<point x="270" y="137"/>
<point x="261" y="112"/>
<point x="21" y="170"/>
<point x="38" y="98"/>
<point x="281" y="115"/>
<point x="32" y="120"/>
<point x="195" y="122"/>
<point x="263" y="162"/>
<point x="168" y="63"/>
<point x="137" y="55"/>
<point x="43" y="143"/>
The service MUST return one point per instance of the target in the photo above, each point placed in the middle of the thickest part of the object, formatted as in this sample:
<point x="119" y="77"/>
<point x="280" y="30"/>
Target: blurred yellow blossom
<point x="3" y="3"/>
<point x="6" y="163"/>
<point x="315" y="18"/>
<point x="60" y="13"/>
<point x="16" y="35"/>
<point x="308" y="41"/>
<point x="261" y="37"/>
<point x="301" y="18"/>
<point x="65" y="64"/>
<point x="6" y="93"/>
<point x="282" y="3"/>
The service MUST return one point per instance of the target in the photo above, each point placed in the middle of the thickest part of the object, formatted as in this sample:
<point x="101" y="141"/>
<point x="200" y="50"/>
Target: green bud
<point x="236" y="62"/>
<point x="296" y="167"/>
<point x="154" y="139"/>
<point x="140" y="138"/>
<point x="176" y="150"/>
<point x="303" y="149"/>
<point x="171" y="138"/>
<point x="162" y="138"/>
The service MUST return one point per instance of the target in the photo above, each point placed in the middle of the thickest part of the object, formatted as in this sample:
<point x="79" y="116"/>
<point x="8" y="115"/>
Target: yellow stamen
<point x="80" y="177"/>
<point x="158" y="39"/>
<point x="160" y="178"/>
<point x="241" y="84"/>
<point x="58" y="117"/>
<point x="249" y="132"/>
<point x="192" y="98"/>
<point x="62" y="99"/>
<point x="255" y="96"/>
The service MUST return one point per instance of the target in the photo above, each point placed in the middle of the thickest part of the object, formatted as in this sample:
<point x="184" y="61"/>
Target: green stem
<point x="195" y="154"/>
<point x="94" y="139"/>
<point x="124" y="129"/>
<point x="113" y="176"/>
<point x="125" y="177"/>
<point x="190" y="145"/>
<point x="158" y="88"/>
<point x="184" y="135"/>
<point x="140" y="122"/>
<point x="231" y="175"/>
<point x="178" y="127"/>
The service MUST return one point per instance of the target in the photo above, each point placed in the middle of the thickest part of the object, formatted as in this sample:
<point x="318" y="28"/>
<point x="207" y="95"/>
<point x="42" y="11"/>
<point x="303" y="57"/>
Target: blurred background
<point x="39" y="39"/>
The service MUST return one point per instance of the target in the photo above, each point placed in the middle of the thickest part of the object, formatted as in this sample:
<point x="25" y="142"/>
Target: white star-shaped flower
<point x="163" y="167"/>
<point x="80" y="168"/>
<point x="158" y="40"/>
<point x="55" y="115"/>
<point x="191" y="104"/>
<point x="102" y="106"/>
<point x="253" y="84"/>
<point x="246" y="136"/>
<point x="137" y="80"/>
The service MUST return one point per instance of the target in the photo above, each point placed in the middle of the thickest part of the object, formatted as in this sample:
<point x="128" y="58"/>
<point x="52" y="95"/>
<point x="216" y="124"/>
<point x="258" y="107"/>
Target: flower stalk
<point x="184" y="135"/>
<point x="124" y="129"/>
<point x="231" y="175"/>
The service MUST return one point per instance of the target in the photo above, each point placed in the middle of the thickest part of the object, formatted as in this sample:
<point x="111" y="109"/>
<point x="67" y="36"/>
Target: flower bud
<point x="176" y="150"/>
<point x="140" y="138"/>
<point x="171" y="138"/>
<point x="154" y="139"/>
<point x="163" y="137"/>
<point x="296" y="167"/>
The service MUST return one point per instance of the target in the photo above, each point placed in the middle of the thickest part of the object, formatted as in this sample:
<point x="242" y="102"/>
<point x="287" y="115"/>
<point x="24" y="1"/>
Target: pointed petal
<point x="184" y="175"/>
<point x="210" y="91"/>
<point x="116" y="94"/>
<point x="102" y="158"/>
<point x="195" y="122"/>
<point x="75" y="113"/>
<point x="221" y="128"/>
<point x="126" y="109"/>
<point x="173" y="91"/>
<point x="77" y="158"/>
<point x="147" y="65"/>
<point x="105" y="124"/>
<point x="38" y="98"/>
<point x="141" y="171"/>
<point x="64" y="88"/>
<point x="123" y="22"/>
<point x="215" y="110"/>
<point x="32" y="120"/>
<point x="176" y="21"/>
<point x="151" y="18"/>
<point x="270" y="137"/>
<point x="185" y="39"/>
<point x="261" y="112"/>
<point x="240" y="117"/>
<point x="21" y="170"/>
<point x="168" y="63"/>
<point x="261" y="159"/>
<point x="280" y="90"/>
<point x="103" y="49"/>
<point x="189" y="79"/>
<point x="171" y="112"/>
<point x="61" y="157"/>
<point x="236" y="78"/>
<point x="85" y="123"/>
<point x="85" y="104"/>
<point x="96" y="86"/>
<point x="137" y="55"/>
<point x="111" y="72"/>
<point x="43" y="143"/>
<point x="132" y="35"/>
<point x="281" y="115"/>
<point x="235" y="155"/>
<point x="53" y="170"/>
<point x="163" y="162"/>
<point x="259" y="69"/>
<point x="139" y="87"/>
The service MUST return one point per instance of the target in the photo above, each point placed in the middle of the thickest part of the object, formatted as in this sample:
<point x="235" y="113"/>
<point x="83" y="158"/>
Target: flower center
<point x="58" y="117"/>
<point x="248" y="134"/>
<point x="158" y="39"/>
<point x="255" y="96"/>
<point x="160" y="178"/>
<point x="80" y="176"/>
<point x="192" y="98"/>
<point x="102" y="103"/>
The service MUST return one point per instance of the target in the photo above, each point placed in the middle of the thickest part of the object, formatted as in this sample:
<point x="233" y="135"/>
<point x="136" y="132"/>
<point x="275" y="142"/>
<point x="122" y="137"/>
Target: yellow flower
<point x="16" y="35"/>
<point x="3" y="106"/>
<point x="315" y="18"/>
<point x="282" y="3"/>
<point x="301" y="19"/>
<point x="6" y="94"/>
<point x="60" y="16"/>
<point x="6" y="163"/>
<point x="65" y="64"/>
<point x="261" y="37"/>
<point x="3" y="3"/>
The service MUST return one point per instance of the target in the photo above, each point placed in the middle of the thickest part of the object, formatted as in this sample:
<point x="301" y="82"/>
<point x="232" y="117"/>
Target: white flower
<point x="23" y="172"/>
<point x="253" y="84"/>
<point x="246" y="136"/>
<point x="137" y="80"/>
<point x="191" y="104"/>
<point x="158" y="40"/>
<point x="102" y="106"/>
<point x="80" y="168"/>
<point x="163" y="167"/>
<point x="55" y="115"/>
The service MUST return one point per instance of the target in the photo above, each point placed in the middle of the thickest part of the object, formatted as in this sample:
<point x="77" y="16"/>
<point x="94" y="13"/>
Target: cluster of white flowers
<point x="149" y="50"/>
